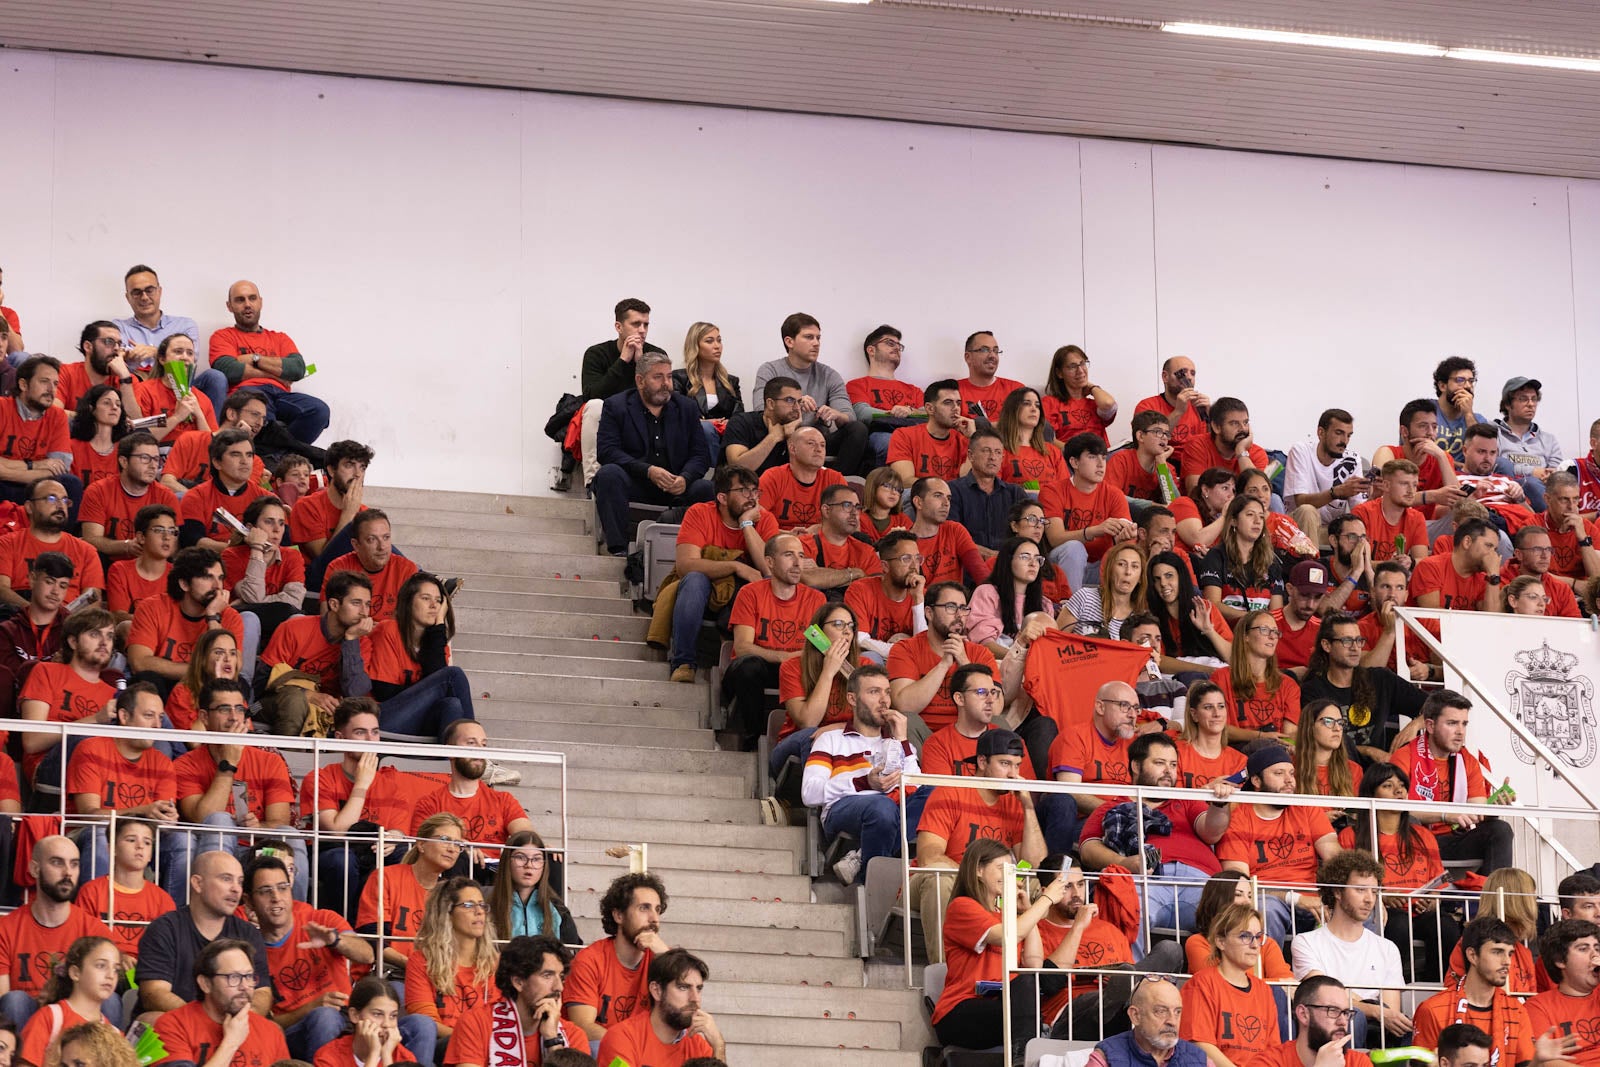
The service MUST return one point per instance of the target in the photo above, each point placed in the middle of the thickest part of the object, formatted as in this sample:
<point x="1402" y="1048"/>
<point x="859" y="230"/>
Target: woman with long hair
<point x="1265" y="702"/>
<point x="1410" y="857"/>
<point x="1509" y="895"/>
<point x="1222" y="890"/>
<point x="1286" y="535"/>
<point x="1100" y="611"/>
<point x="1242" y="573"/>
<point x="881" y="512"/>
<point x="704" y="378"/>
<point x="452" y="970"/>
<point x="1199" y="514"/>
<point x="1526" y="596"/>
<point x="1194" y="634"/>
<point x="1203" y="751"/>
<point x="1012" y="593"/>
<point x="1320" y="763"/>
<point x="1030" y="459"/>
<point x="8" y="1043"/>
<point x="1027" y="520"/>
<point x="215" y="655"/>
<point x="75" y="992"/>
<point x="524" y="901"/>
<point x="374" y="1037"/>
<point x="419" y="690"/>
<point x="407" y="884"/>
<point x="1071" y="404"/>
<point x="811" y="685"/>
<point x="97" y="425"/>
<point x="95" y="1045"/>
<point x="1235" y="936"/>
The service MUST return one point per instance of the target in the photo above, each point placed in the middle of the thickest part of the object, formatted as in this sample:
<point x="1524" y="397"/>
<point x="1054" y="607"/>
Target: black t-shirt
<point x="171" y="944"/>
<point x="748" y="429"/>
<point x="1238" y="590"/>
<point x="1373" y="727"/>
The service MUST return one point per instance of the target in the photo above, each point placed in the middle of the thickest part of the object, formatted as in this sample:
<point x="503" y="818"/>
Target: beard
<point x="60" y="892"/>
<point x="470" y="769"/>
<point x="1317" y="1033"/>
<point x="681" y="1019"/>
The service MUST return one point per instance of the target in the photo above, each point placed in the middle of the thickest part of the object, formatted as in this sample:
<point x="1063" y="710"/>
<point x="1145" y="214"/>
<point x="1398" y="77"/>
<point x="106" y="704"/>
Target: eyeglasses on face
<point x="236" y="979"/>
<point x="1266" y="631"/>
<point x="1330" y="723"/>
<point x="954" y="608"/>
<point x="1350" y="642"/>
<point x="987" y="350"/>
<point x="471" y="905"/>
<point x="1246" y="937"/>
<point x="983" y="692"/>
<point x="1333" y="1012"/>
<point x="906" y="561"/>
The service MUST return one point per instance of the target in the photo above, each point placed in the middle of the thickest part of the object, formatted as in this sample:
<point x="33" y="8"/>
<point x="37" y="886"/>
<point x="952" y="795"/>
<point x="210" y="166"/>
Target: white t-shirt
<point x="1364" y="965"/>
<point x="1305" y="473"/>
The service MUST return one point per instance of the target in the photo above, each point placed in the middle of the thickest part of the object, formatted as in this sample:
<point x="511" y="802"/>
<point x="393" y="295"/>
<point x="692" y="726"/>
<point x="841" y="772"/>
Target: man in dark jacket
<point x="651" y="450"/>
<point x="608" y="369"/>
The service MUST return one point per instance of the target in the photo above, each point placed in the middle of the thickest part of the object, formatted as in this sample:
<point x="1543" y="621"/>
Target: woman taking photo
<point x="452" y="970"/>
<point x="76" y="992"/>
<point x="811" y="685"/>
<point x="1013" y="592"/>
<point x="1321" y="766"/>
<point x="97" y="425"/>
<point x="406" y="885"/>
<point x="374" y="1037"/>
<point x="1098" y="612"/>
<point x="1194" y="634"/>
<point x="882" y="513"/>
<point x="524" y="901"/>
<point x="1203" y="751"/>
<point x="1027" y="520"/>
<point x="1230" y="988"/>
<point x="1263" y="701"/>
<point x="1072" y="405"/>
<point x="1199" y="514"/>
<point x="1031" y="461"/>
<point x="1241" y="573"/>
<point x="412" y="679"/>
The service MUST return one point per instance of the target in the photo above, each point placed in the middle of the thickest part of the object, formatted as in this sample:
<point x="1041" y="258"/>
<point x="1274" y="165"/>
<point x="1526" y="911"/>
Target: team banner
<point x="1064" y="671"/>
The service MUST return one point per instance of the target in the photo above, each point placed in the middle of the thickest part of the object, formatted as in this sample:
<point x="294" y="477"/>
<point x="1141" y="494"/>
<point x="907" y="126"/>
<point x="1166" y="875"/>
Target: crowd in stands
<point x="883" y="558"/>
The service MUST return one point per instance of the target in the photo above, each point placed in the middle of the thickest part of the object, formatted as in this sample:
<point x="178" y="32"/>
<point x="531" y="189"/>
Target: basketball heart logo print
<point x="940" y="467"/>
<point x="779" y="633"/>
<point x="296" y="976"/>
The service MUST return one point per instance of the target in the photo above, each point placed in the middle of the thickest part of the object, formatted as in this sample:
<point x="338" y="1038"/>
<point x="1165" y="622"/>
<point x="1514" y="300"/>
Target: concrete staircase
<point x="558" y="661"/>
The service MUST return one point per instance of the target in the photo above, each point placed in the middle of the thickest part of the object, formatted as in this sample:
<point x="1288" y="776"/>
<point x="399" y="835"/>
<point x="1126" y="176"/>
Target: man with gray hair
<point x="650" y="448"/>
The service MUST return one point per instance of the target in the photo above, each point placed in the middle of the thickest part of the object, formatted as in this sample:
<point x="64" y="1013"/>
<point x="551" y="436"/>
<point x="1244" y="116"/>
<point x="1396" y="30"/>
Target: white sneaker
<point x="497" y="775"/>
<point x="848" y="866"/>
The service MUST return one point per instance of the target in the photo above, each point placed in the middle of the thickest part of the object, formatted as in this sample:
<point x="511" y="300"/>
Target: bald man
<point x="35" y="938"/>
<point x="269" y="362"/>
<point x="173" y="942"/>
<point x="1154" y="1013"/>
<point x="1094" y="751"/>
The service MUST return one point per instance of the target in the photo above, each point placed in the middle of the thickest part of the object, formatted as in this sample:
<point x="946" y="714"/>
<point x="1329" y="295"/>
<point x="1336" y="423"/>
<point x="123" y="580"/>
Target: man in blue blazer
<point x="651" y="450"/>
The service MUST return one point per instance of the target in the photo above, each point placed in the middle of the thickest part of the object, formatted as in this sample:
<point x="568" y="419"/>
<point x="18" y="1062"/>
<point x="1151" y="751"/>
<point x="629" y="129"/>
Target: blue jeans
<point x="316" y="1028"/>
<point x="213" y="384"/>
<point x="424" y="710"/>
<point x="880" y="447"/>
<point x="1060" y="820"/>
<point x="420" y="1036"/>
<point x="19" y="1008"/>
<point x="1072" y="559"/>
<point x="95" y="849"/>
<point x="873" y="819"/>
<point x="303" y="415"/>
<point x="688" y="612"/>
<point x="796" y="744"/>
<point x="1172" y="904"/>
<point x="341" y="870"/>
<point x="179" y="847"/>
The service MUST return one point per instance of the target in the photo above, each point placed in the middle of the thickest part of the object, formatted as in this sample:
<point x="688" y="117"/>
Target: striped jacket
<point x="839" y="763"/>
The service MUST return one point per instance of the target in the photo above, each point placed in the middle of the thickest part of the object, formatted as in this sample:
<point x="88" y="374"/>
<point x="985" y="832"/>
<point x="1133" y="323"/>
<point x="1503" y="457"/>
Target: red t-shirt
<point x="1081" y="750"/>
<point x="445" y="1005"/>
<point x="790" y="688"/>
<point x="944" y="552"/>
<point x="200" y="504"/>
<point x="1477" y="785"/>
<point x="988" y="398"/>
<point x="634" y="1042"/>
<point x="1069" y="418"/>
<point x="877" y="616"/>
<point x="134" y="909"/>
<point x="155" y="397"/>
<point x="1196" y="771"/>
<point x="1280" y="851"/>
<point x="389" y="801"/>
<point x="190" y="461"/>
<point x="89" y="465"/>
<point x="1261" y="710"/>
<point x="125" y="586"/>
<point x="74" y="382"/>
<point x="968" y="957"/>
<point x="69" y="696"/>
<point x="597" y="979"/>
<point x="853" y="553"/>
<point x="1079" y="510"/>
<point x="160" y="625"/>
<point x="29" y="952"/>
<point x="474" y="1036"/>
<point x="1578" y="1016"/>
<point x="1562" y="603"/>
<point x="235" y="342"/>
<point x="1438" y="574"/>
<point x="302" y="974"/>
<point x="341" y="1052"/>
<point x="1381" y="533"/>
<point x="948" y="750"/>
<point x="1287" y="1055"/>
<point x="400" y="908"/>
<point x="779" y="625"/>
<point x="1401" y="873"/>
<point x="1295" y="646"/>
<point x="35" y="439"/>
<point x="288" y="568"/>
<point x="1200" y="454"/>
<point x="960" y="817"/>
<point x="1239" y="1022"/>
<point x="263" y="772"/>
<point x="190" y="1036"/>
<point x="300" y="643"/>
<point x="1506" y="1022"/>
<point x="883" y="394"/>
<point x="487" y="813"/>
<point x="108" y="503"/>
<point x="1128" y="478"/>
<point x="19" y="548"/>
<point x="1103" y="945"/>
<point x="1029" y="464"/>
<point x="120" y="783"/>
<point x="1566" y="558"/>
<point x="314" y="518"/>
<point x="794" y="503"/>
<point x="702" y="525"/>
<point x="385" y="584"/>
<point x="1191" y="425"/>
<point x="913" y="658"/>
<point x="928" y="455"/>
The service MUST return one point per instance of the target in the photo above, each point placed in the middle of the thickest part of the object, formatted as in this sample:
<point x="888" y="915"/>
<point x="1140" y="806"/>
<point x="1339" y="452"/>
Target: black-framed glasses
<point x="984" y="692"/>
<point x="1332" y="1012"/>
<point x="1350" y="642"/>
<point x="48" y="498"/>
<point x="236" y="979"/>
<point x="471" y="905"/>
<point x="988" y="350"/>
<point x="958" y="609"/>
<point x="1266" y="631"/>
<point x="1330" y="723"/>
<point x="847" y="505"/>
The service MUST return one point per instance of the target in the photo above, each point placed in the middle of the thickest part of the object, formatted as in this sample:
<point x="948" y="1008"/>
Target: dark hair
<point x="1483" y="930"/>
<point x="132" y="440"/>
<point x="140" y="268"/>
<point x="340" y="451"/>
<point x="1457" y="1036"/>
<point x="1224" y="406"/>
<point x="731" y="476"/>
<point x="290" y="462"/>
<point x="966" y="346"/>
<point x="1333" y="415"/>
<point x="838" y="489"/>
<point x="253" y="510"/>
<point x="1573" y="886"/>
<point x="862" y="672"/>
<point x="350" y="707"/>
<point x="1146" y="420"/>
<point x="877" y="335"/>
<point x="215" y="686"/>
<point x="571" y="1057"/>
<point x="340" y="583"/>
<point x="673" y="964"/>
<point x="1416" y="407"/>
<point x="364" y="519"/>
<point x="1005" y="586"/>
<point x="1215" y="896"/>
<point x="130" y="695"/>
<point x="1147" y="516"/>
<point x="1081" y="443"/>
<point x="259" y="864"/>
<point x="1336" y="873"/>
<point x="1363" y="694"/>
<point x="937" y="590"/>
<point x="894" y="537"/>
<point x="223" y="440"/>
<point x="775" y="387"/>
<point x="958" y="680"/>
<point x="240" y="398"/>
<point x="166" y="343"/>
<point x="205" y="964"/>
<point x="1209" y="478"/>
<point x="631" y="303"/>
<point x="52" y="565"/>
<point x="1337" y="524"/>
<point x="83" y="424"/>
<point x="31" y="365"/>
<point x="1555" y="942"/>
<point x="943" y="385"/>
<point x="1389" y="566"/>
<point x="1470" y="529"/>
<point x="1312" y="986"/>
<point x="1138" y="619"/>
<point x="189" y="564"/>
<point x="91" y="332"/>
<point x="1179" y="635"/>
<point x="1139" y="749"/>
<point x="523" y="956"/>
<point x="1440" y="699"/>
<point x="404" y="615"/>
<point x="59" y="985"/>
<point x="369" y="989"/>
<point x="81" y="622"/>
<point x="619" y="894"/>
<point x="795" y="323"/>
<point x="1449" y="366"/>
<point x="1055" y="384"/>
<point x="1406" y="835"/>
<point x="1482" y="429"/>
<point x="983" y="432"/>
<point x="149" y="514"/>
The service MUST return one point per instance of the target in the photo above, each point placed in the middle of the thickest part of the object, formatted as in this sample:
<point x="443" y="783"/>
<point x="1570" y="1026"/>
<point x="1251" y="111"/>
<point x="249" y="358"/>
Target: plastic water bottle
<point x="889" y="759"/>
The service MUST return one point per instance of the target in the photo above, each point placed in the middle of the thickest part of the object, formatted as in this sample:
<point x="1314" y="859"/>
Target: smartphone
<point x="228" y="519"/>
<point x="1469" y="489"/>
<point x="241" y="799"/>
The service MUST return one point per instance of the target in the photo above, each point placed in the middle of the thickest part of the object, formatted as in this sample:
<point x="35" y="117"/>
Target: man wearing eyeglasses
<point x="155" y="534"/>
<point x="1322" y="1016"/>
<point x="794" y="490"/>
<point x="836" y="557"/>
<point x="979" y="701"/>
<point x="879" y="399"/>
<point x="759" y="440"/>
<point x="1532" y="554"/>
<point x="1097" y="751"/>
<point x="35" y="445"/>
<point x="1455" y="381"/>
<point x="105" y="362"/>
<point x="921" y="669"/>
<point x="149" y="325"/>
<point x="1370" y="699"/>
<point x="889" y="606"/>
<point x="111" y="504"/>
<point x="983" y="391"/>
<point x="220" y="1029"/>
<point x="172" y="944"/>
<point x="48" y="506"/>
<point x="1132" y="471"/>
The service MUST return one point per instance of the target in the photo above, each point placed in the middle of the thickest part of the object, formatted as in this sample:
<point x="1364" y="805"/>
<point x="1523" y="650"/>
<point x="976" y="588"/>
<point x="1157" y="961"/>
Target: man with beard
<point x="1441" y="769"/>
<point x="866" y="806"/>
<point x="47" y="506"/>
<point x="374" y="557"/>
<point x="609" y="979"/>
<point x="1370" y="698"/>
<point x="769" y="620"/>
<point x="219" y="1027"/>
<point x="1185" y="850"/>
<point x="309" y="953"/>
<point x="1467" y="578"/>
<point x="794" y="490"/>
<point x="983" y="391"/>
<point x="331" y="645"/>
<point x="209" y="777"/>
<point x="1183" y="406"/>
<point x="1279" y="844"/>
<point x="759" y="440"/>
<point x="1308" y="590"/>
<point x="127" y="775"/>
<point x="836" y="558"/>
<point x="34" y="441"/>
<point x="79" y="688"/>
<point x="489" y="814"/>
<point x="979" y="500"/>
<point x="1532" y="554"/>
<point x="170" y="945"/>
<point x="1343" y="948"/>
<point x="529" y="978"/>
<point x="1085" y="514"/>
<point x="1350" y="565"/>
<point x="1326" y="474"/>
<point x="1455" y="385"/>
<point x="252" y="357"/>
<point x="651" y="451"/>
<point x="676" y="1029"/>
<point x="922" y="668"/>
<point x="35" y="938"/>
<point x="1322" y="1015"/>
<point x="1072" y="935"/>
<point x="189" y="462"/>
<point x="165" y="628"/>
<point x="888" y="606"/>
<point x="1153" y="1016"/>
<point x="104" y="363"/>
<point x="1097" y="750"/>
<point x="1228" y="444"/>
<point x="1570" y="952"/>
<point x="320" y="522"/>
<point x="937" y="448"/>
<point x="111" y="505"/>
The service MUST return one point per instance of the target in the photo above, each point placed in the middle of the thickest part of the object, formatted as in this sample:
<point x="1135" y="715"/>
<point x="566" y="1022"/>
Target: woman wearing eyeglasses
<point x="1029" y="457"/>
<point x="1071" y="403"/>
<point x="406" y="885"/>
<point x="1099" y="611"/>
<point x="1265" y="702"/>
<point x="1027" y="520"/>
<point x="452" y="970"/>
<point x="526" y="902"/>
<point x="881" y="512"/>
<point x="1526" y="596"/>
<point x="1227" y="1010"/>
<point x="1011" y="599"/>
<point x="1319" y="753"/>
<point x="811" y="685"/>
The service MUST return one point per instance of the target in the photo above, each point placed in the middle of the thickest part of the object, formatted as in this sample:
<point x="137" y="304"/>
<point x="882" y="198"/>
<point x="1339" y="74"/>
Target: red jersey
<point x="1438" y="574"/>
<point x="986" y="400"/>
<point x="877" y="616"/>
<point x="74" y="382"/>
<point x="190" y="1036"/>
<point x="1295" y="646"/>
<point x="302" y="974"/>
<point x="89" y="465"/>
<point x="97" y="767"/>
<point x="314" y="518"/>
<point x="968" y="956"/>
<point x="960" y="817"/>
<point x="949" y="552"/>
<point x="1103" y="945"/>
<point x="190" y="461"/>
<point x="1191" y="425"/>
<point x="200" y="504"/>
<point x="19" y="548"/>
<point x="48" y="1023"/>
<point x="883" y="394"/>
<point x="444" y="1005"/>
<point x="133" y="909"/>
<point x="1032" y="465"/>
<point x="1200" y="454"/>
<point x="301" y="644"/>
<point x="1261" y="710"/>
<point x="1239" y="1022"/>
<point x="487" y="813"/>
<point x="702" y="525"/>
<point x="1562" y="604"/>
<point x="1274" y="968"/>
<point x="1527" y="977"/>
<point x="389" y="799"/>
<point x="125" y="586"/>
<point x="1280" y="851"/>
<point x="156" y="397"/>
<point x="1578" y="1016"/>
<point x="69" y="696"/>
<point x="29" y="952"/>
<point x="288" y="568"/>
<point x="399" y="909"/>
<point x="790" y="688"/>
<point x="263" y="772"/>
<point x="108" y="504"/>
<point x="1401" y="873"/>
<point x="474" y="1038"/>
<point x="913" y="658"/>
<point x="1382" y="533"/>
<point x="1081" y="750"/>
<point x="24" y="439"/>
<point x="1288" y="1055"/>
<point x="949" y="751"/>
<point x="597" y="979"/>
<point x="853" y="553"/>
<point x="387" y="658"/>
<point x="160" y="625"/>
<point x="341" y="1052"/>
<point x="1196" y="771"/>
<point x="1504" y="1019"/>
<point x="1069" y="418"/>
<point x="1079" y="510"/>
<point x="929" y="456"/>
<point x="892" y="521"/>
<point x="240" y="345"/>
<point x="779" y="625"/>
<point x="794" y="503"/>
<point x="1566" y="558"/>
<point x="635" y="1044"/>
<point x="1124" y="474"/>
<point x="385" y="584"/>
<point x="1477" y="786"/>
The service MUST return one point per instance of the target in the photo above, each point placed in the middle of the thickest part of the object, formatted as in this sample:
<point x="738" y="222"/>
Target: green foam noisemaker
<point x="1402" y="1054"/>
<point x="150" y="1048"/>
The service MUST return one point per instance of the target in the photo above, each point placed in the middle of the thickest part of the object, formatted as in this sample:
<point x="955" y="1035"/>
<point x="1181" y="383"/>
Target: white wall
<point x="445" y="254"/>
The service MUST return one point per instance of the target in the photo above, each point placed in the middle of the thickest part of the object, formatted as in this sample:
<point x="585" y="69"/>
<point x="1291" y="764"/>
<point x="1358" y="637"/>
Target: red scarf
<point x="1425" y="784"/>
<point x="506" y="1041"/>
<point x="1588" y="484"/>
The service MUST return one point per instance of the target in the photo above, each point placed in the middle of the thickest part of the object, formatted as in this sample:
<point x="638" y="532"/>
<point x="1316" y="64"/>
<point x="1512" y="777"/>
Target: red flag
<point x="1064" y="671"/>
<point x="1485" y="761"/>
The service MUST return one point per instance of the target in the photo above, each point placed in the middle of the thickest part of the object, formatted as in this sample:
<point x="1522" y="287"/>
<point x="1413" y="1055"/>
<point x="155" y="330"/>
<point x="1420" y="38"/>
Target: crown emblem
<point x="1547" y="663"/>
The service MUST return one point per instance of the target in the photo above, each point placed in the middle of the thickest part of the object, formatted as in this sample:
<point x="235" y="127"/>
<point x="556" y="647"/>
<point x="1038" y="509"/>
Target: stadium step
<point x="559" y="663"/>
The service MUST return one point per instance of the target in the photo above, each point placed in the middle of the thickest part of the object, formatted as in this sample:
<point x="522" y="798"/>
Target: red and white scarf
<point x="507" y="1046"/>
<point x="1425" y="784"/>
<point x="1588" y="484"/>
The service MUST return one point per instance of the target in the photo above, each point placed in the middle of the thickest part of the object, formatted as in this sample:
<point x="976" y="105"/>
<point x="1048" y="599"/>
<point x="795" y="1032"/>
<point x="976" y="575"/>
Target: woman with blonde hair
<point x="1203" y="751"/>
<point x="96" y="1045"/>
<point x="215" y="655"/>
<point x="1231" y="986"/>
<point x="1122" y="592"/>
<point x="452" y="970"/>
<point x="704" y="378"/>
<point x="1030" y="461"/>
<point x="406" y="884"/>
<point x="1265" y="702"/>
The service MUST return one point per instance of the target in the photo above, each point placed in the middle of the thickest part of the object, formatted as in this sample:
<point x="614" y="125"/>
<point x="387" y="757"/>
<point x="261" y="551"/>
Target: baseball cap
<point x="1513" y="384"/>
<point x="1264" y="757"/>
<point x="1310" y="574"/>
<point x="1001" y="742"/>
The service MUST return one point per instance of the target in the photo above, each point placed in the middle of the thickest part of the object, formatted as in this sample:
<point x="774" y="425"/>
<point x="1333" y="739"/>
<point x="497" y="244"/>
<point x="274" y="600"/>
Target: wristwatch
<point x="227" y="768"/>
<point x="1493" y="579"/>
<point x="1585" y="542"/>
<point x="554" y="1042"/>
<point x="255" y="359"/>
